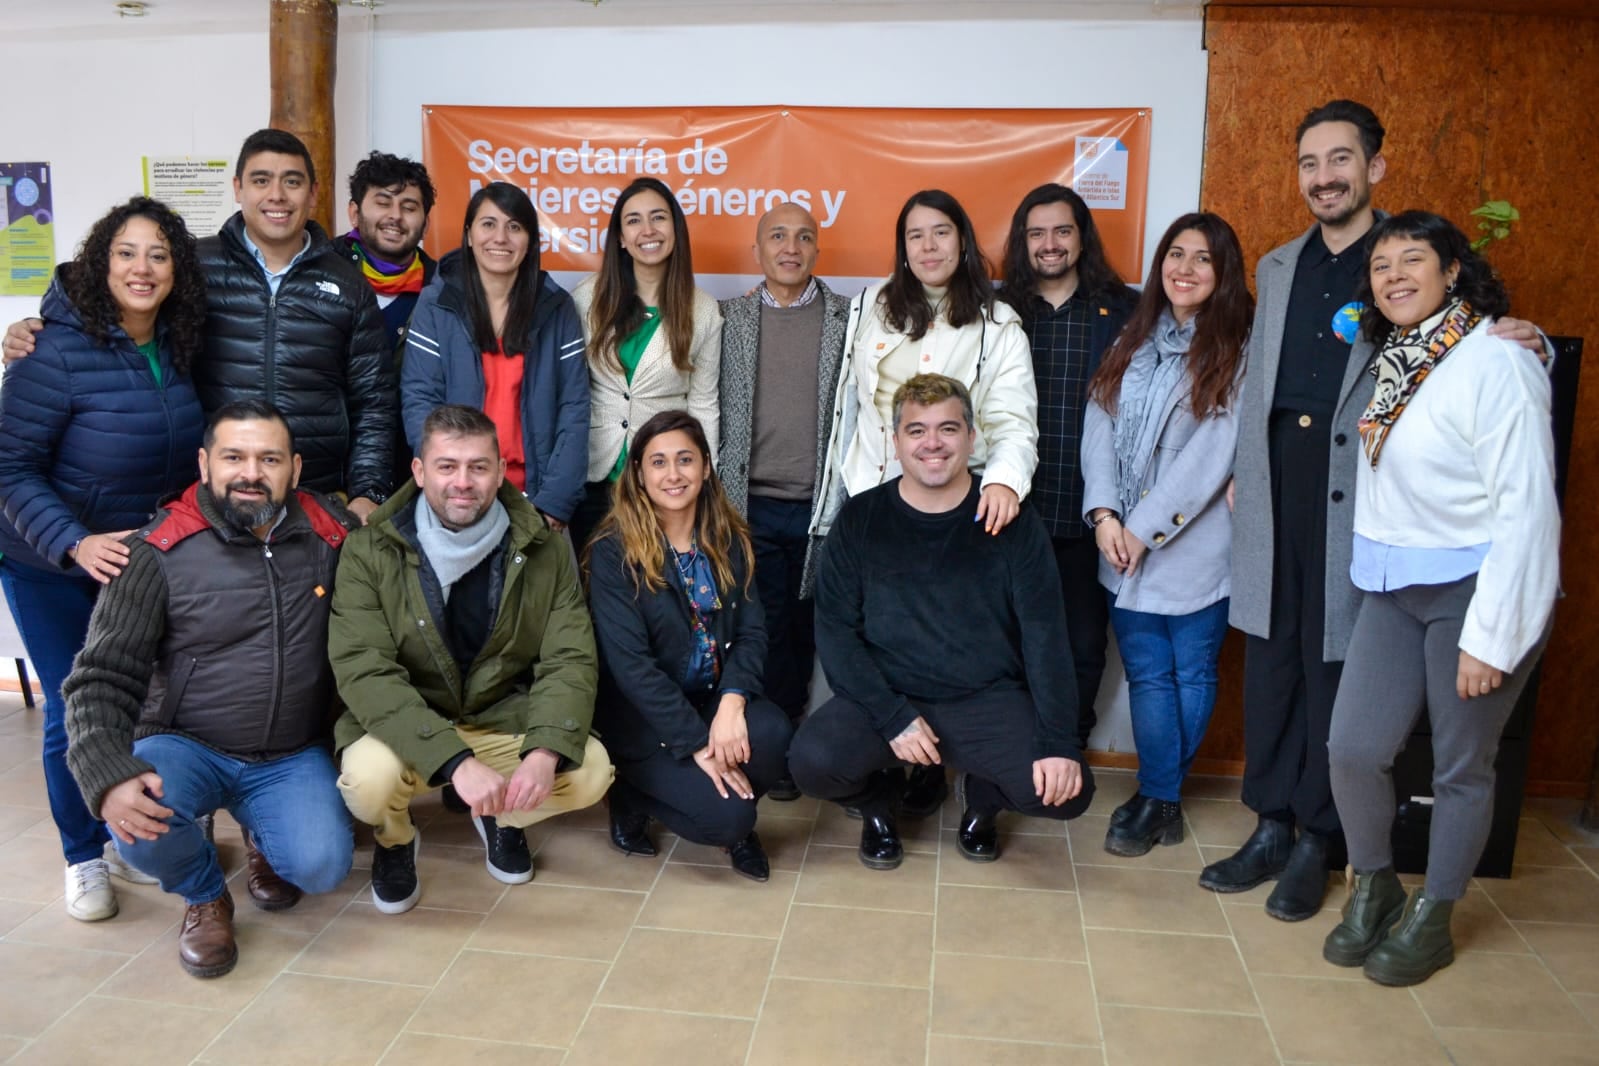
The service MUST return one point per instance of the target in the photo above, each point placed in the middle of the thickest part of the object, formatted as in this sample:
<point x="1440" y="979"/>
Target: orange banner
<point x="852" y="167"/>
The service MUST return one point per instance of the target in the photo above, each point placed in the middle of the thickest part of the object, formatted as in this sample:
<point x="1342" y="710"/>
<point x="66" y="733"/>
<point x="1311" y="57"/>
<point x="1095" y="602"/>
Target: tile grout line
<point x="1249" y="976"/>
<point x="1088" y="955"/>
<point x="788" y="914"/>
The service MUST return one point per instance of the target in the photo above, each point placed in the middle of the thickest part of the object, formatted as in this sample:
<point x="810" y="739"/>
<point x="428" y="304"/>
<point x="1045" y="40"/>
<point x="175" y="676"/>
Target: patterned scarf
<point x="385" y="278"/>
<point x="1404" y="363"/>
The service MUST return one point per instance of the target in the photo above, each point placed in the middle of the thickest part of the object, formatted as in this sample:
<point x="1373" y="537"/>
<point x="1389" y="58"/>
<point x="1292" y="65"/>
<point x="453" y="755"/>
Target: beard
<point x="1339" y="215"/>
<point x="249" y="515"/>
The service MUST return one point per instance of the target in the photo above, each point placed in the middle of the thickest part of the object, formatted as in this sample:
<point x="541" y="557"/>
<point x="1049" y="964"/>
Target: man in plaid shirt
<point x="1072" y="304"/>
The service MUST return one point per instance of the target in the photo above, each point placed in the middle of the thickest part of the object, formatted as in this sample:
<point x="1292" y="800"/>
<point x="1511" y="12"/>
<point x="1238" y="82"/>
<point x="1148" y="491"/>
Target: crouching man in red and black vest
<point x="205" y="685"/>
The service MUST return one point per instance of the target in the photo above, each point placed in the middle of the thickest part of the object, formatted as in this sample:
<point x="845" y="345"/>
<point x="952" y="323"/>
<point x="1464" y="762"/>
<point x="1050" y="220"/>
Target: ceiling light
<point x="132" y="9"/>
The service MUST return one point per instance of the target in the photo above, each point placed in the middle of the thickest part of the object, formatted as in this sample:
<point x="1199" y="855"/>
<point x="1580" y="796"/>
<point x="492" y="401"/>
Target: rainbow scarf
<point x="385" y="278"/>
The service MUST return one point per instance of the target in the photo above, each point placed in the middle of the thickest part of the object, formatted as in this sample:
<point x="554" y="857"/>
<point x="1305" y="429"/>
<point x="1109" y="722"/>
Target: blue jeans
<point x="1171" y="685"/>
<point x="52" y="610"/>
<point x="291" y="806"/>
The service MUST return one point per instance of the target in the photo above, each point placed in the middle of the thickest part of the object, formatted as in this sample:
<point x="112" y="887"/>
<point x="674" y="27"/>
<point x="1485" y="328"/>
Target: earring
<point x="1450" y="289"/>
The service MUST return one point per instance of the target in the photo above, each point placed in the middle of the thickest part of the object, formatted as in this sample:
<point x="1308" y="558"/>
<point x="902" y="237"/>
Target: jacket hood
<point x="194" y="512"/>
<point x="56" y="306"/>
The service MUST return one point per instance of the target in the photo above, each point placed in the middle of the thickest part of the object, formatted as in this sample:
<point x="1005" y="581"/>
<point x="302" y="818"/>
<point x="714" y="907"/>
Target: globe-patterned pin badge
<point x="1346" y="321"/>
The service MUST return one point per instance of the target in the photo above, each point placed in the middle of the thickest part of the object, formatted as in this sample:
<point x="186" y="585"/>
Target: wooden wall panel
<point x="1477" y="106"/>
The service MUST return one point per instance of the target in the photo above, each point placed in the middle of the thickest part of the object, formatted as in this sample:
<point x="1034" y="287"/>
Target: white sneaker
<point x="89" y="894"/>
<point x="118" y="867"/>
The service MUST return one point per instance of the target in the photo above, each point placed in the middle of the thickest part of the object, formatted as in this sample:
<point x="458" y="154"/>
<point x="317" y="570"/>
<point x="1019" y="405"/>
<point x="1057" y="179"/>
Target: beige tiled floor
<point x="1058" y="953"/>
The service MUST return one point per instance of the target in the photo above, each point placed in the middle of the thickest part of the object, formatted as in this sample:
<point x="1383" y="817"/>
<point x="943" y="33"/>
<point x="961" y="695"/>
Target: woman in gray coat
<point x="1157" y="452"/>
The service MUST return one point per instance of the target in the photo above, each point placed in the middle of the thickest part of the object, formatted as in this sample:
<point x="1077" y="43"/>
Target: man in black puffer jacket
<point x="292" y="323"/>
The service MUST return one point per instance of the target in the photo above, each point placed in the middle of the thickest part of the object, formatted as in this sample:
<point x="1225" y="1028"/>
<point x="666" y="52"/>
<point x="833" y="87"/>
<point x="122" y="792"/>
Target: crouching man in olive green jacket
<point x="463" y="650"/>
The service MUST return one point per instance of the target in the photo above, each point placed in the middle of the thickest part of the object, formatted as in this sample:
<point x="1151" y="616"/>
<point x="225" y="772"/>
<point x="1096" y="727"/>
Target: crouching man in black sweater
<point x="943" y="644"/>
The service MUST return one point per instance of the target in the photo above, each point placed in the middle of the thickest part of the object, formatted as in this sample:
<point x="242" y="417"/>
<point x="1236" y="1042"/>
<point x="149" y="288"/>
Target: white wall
<point x="99" y="100"/>
<point x="93" y="105"/>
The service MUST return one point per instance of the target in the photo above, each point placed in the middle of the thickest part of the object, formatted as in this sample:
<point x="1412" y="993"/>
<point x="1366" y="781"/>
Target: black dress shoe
<point x="749" y="859"/>
<point x="1155" y="821"/>
<point x="1262" y="857"/>
<point x="880" y="846"/>
<point x="784" y="791"/>
<point x="628" y="828"/>
<point x="978" y="837"/>
<point x="925" y="790"/>
<point x="1302" y="886"/>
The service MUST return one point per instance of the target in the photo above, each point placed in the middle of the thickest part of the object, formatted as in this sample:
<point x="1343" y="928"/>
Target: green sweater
<point x="535" y="676"/>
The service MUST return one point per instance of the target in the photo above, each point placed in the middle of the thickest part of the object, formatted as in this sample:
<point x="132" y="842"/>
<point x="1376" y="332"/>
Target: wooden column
<point x="305" y="36"/>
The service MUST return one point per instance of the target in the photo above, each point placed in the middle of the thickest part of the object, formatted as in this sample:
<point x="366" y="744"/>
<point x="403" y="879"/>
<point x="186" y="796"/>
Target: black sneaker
<point x="507" y="856"/>
<point x="395" y="888"/>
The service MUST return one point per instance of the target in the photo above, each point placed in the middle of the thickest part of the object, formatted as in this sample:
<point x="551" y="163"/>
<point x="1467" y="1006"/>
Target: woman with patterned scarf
<point x="1456" y="545"/>
<point x="1158" y="441"/>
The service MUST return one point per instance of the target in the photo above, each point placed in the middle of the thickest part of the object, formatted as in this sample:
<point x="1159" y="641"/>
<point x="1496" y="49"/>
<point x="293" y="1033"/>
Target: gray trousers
<point x="1404" y="655"/>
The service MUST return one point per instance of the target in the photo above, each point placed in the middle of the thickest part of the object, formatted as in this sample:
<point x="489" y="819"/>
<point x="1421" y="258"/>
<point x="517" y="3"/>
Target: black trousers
<point x="837" y="755"/>
<point x="1288" y="688"/>
<point x="594" y="506"/>
<point x="1087" y="622"/>
<point x="780" y="532"/>
<point x="678" y="794"/>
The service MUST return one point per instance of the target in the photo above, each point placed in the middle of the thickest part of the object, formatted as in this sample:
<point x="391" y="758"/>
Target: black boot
<point x="1302" y="886"/>
<point x="925" y="790"/>
<point x="1154" y="822"/>
<point x="1262" y="857"/>
<point x="880" y="846"/>
<point x="1418" y="947"/>
<point x="1134" y="804"/>
<point x="629" y="826"/>
<point x="1374" y="905"/>
<point x="977" y="837"/>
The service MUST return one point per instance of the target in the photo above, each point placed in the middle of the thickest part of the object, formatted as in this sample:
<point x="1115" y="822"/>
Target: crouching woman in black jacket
<point x="682" y="642"/>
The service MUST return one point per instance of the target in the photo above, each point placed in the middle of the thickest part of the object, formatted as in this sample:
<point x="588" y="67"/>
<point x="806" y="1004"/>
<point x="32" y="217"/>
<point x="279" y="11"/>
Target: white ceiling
<point x="165" y="17"/>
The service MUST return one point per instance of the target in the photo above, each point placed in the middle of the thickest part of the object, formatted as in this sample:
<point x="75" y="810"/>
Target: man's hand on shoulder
<point x="480" y="786"/>
<point x="1515" y="330"/>
<point x="533" y="781"/>
<point x="132" y="809"/>
<point x="362" y="508"/>
<point x="19" y="339"/>
<point x="1057" y="779"/>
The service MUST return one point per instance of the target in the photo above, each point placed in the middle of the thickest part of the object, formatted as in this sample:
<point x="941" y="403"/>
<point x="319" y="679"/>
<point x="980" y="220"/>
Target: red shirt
<point x="502" y="402"/>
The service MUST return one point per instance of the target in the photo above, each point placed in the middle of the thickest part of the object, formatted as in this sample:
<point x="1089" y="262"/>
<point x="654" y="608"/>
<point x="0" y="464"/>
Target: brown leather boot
<point x="267" y="890"/>
<point x="205" y="943"/>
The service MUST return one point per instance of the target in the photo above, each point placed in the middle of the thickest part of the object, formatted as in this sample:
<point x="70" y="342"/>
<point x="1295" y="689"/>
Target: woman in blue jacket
<point x="495" y="332"/>
<point x="682" y="647"/>
<point x="1158" y="440"/>
<point x="96" y="427"/>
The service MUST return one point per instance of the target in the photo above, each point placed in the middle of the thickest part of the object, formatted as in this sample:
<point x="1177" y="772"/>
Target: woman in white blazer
<point x="1456" y="550"/>
<point x="1158" y="440"/>
<point x="654" y="340"/>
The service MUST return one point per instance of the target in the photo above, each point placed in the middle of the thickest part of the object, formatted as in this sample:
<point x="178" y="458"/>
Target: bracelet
<point x="1094" y="523"/>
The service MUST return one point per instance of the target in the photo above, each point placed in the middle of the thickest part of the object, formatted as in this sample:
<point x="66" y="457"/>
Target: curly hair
<point x="1476" y="283"/>
<point x="86" y="283"/>
<point x="632" y="521"/>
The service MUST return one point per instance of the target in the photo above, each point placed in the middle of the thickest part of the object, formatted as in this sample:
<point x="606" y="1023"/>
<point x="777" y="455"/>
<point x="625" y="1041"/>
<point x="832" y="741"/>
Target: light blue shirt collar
<point x="274" y="279"/>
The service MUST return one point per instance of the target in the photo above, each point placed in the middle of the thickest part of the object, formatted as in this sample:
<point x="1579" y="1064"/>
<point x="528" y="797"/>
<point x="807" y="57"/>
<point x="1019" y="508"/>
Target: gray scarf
<point x="1157" y="369"/>
<point x="453" y="553"/>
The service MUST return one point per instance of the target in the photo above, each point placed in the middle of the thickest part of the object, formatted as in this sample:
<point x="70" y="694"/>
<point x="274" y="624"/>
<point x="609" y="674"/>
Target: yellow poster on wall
<point x="27" y="229"/>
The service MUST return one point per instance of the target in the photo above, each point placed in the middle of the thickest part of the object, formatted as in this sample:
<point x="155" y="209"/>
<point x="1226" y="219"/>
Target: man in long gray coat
<point x="781" y="342"/>
<point x="1293" y="525"/>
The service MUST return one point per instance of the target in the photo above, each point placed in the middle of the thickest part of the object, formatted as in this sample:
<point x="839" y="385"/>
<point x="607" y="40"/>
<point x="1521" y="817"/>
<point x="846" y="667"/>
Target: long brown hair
<point x="1220" y="329"/>
<point x="971" y="294"/>
<point x="633" y="522"/>
<point x="617" y="310"/>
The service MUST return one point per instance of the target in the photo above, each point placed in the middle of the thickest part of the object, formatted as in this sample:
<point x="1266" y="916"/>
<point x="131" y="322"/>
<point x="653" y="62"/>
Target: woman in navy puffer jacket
<point x="96" y="426"/>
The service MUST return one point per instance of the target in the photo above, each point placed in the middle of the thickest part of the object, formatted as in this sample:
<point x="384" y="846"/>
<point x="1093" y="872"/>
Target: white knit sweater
<point x="1471" y="461"/>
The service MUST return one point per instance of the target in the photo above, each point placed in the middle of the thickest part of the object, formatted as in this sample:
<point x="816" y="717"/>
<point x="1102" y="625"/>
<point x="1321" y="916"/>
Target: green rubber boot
<point x="1419" y="945"/>
<point x="1374" y="905"/>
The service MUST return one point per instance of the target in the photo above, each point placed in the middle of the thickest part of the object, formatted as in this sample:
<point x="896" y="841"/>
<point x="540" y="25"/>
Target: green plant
<point x="1496" y="218"/>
